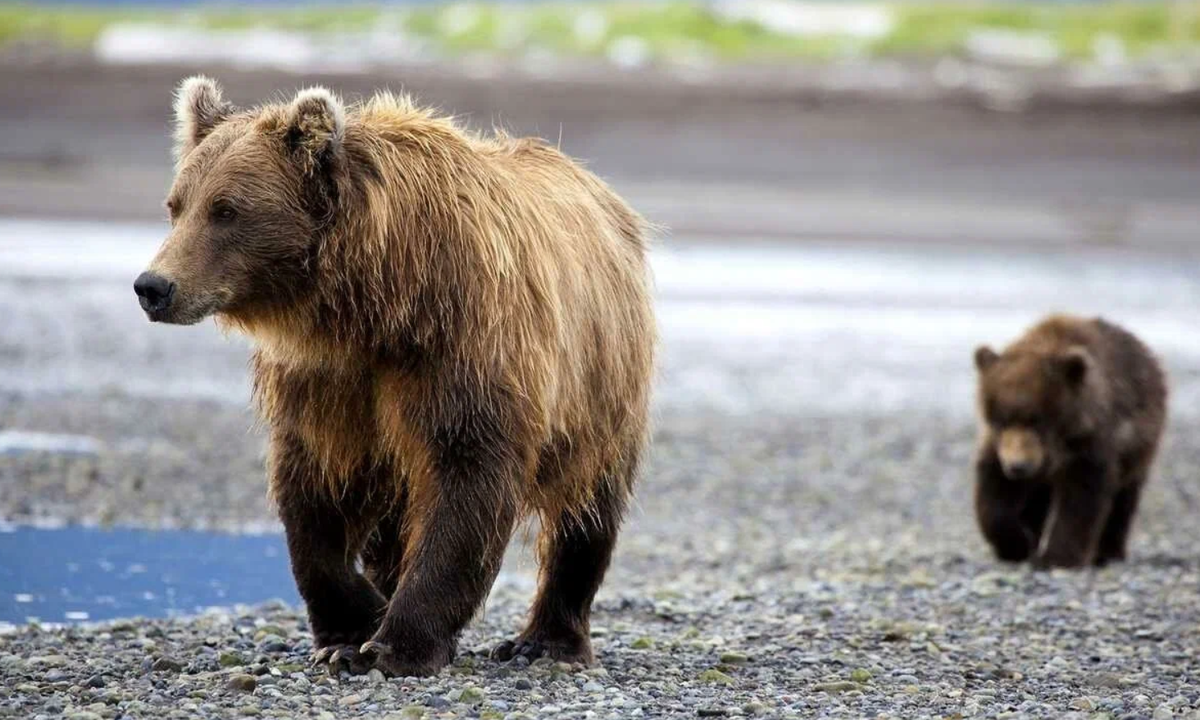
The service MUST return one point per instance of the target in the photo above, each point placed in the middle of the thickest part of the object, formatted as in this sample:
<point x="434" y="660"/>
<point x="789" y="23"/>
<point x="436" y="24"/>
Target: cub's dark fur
<point x="1071" y="416"/>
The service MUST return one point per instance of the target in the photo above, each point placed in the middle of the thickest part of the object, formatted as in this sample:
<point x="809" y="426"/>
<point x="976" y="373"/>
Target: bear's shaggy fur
<point x="451" y="332"/>
<point x="1071" y="416"/>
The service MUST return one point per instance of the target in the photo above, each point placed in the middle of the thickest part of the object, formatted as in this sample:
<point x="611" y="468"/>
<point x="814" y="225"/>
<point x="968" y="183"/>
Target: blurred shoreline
<point x="774" y="153"/>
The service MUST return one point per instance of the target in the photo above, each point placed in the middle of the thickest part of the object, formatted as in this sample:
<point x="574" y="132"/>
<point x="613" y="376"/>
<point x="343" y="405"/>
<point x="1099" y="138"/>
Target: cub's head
<point x="252" y="192"/>
<point x="1032" y="404"/>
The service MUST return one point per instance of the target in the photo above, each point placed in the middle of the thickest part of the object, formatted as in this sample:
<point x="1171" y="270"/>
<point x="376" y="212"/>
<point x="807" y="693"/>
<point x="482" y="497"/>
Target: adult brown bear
<point x="451" y="332"/>
<point x="1072" y="413"/>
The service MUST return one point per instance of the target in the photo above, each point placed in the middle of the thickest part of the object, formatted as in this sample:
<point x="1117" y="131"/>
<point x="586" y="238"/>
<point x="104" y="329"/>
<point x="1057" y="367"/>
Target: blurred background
<point x="854" y="195"/>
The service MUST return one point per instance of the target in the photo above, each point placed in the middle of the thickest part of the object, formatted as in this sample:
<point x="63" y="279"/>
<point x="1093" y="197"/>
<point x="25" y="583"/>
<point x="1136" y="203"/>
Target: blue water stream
<point x="77" y="574"/>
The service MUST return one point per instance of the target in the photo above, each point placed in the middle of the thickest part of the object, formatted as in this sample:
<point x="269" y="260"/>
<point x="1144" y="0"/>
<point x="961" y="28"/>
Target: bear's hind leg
<point x="575" y="553"/>
<point x="383" y="554"/>
<point x="1116" y="529"/>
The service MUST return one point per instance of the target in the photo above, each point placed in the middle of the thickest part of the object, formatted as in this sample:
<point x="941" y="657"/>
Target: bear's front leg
<point x="461" y="516"/>
<point x="1081" y="506"/>
<point x="344" y="608"/>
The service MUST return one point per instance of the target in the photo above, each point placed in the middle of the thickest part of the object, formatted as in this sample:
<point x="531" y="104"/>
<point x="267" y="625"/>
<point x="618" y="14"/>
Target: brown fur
<point x="1071" y="416"/>
<point x="452" y="332"/>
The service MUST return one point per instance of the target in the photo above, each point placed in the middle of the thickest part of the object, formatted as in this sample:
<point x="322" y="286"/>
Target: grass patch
<point x="672" y="29"/>
<point x="933" y="29"/>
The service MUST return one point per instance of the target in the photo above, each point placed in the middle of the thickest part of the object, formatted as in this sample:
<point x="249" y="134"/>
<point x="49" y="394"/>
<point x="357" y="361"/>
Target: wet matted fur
<point x="452" y="332"/>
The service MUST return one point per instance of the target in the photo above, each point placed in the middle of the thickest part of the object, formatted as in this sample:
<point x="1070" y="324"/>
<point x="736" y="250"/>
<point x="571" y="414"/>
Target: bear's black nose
<point x="154" y="291"/>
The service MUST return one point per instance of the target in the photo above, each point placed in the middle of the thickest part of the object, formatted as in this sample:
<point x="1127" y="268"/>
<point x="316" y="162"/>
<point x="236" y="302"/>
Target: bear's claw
<point x="534" y="649"/>
<point x="509" y="649"/>
<point x="335" y="658"/>
<point x="381" y="656"/>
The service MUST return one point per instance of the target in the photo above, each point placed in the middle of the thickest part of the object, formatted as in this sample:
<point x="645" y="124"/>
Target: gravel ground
<point x="780" y="565"/>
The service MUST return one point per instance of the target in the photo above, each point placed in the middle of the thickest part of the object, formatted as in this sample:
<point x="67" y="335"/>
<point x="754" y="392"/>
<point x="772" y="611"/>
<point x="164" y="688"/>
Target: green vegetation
<point x="676" y="29"/>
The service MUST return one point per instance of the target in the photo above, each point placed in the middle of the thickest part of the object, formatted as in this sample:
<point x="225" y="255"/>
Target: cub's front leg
<point x="1010" y="514"/>
<point x="1083" y="497"/>
<point x="323" y="537"/>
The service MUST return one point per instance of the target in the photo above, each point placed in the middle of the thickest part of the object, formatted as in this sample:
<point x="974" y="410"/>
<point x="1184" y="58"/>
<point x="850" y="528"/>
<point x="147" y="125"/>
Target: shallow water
<point x="745" y="327"/>
<point x="78" y="574"/>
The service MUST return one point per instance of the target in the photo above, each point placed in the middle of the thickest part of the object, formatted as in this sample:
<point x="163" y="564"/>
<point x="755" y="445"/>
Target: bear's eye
<point x="223" y="211"/>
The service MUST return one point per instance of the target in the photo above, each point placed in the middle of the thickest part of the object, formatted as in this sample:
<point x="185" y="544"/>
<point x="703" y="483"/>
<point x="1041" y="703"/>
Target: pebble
<point x="243" y="683"/>
<point x="166" y="664"/>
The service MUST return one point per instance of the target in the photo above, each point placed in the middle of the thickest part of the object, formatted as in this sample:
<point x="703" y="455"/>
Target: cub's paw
<point x="381" y="656"/>
<point x="574" y="650"/>
<point x="338" y="658"/>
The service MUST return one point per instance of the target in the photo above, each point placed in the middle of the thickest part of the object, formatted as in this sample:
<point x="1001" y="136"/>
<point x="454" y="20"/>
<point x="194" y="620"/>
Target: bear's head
<point x="252" y="192"/>
<point x="1034" y="404"/>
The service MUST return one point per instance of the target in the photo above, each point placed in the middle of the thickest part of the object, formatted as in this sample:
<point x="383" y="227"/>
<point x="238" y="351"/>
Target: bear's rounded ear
<point x="985" y="357"/>
<point x="316" y="125"/>
<point x="199" y="107"/>
<point x="1073" y="365"/>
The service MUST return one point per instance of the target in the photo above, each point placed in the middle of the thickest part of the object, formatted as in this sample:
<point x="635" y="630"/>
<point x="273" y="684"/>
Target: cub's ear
<point x="316" y="126"/>
<point x="199" y="108"/>
<point x="985" y="357"/>
<point x="1073" y="365"/>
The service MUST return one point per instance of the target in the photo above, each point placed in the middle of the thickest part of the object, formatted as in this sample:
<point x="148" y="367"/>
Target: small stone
<point x="94" y="681"/>
<point x="1107" y="680"/>
<point x="754" y="708"/>
<point x="734" y="658"/>
<point x="860" y="675"/>
<point x="351" y="700"/>
<point x="273" y="644"/>
<point x="715" y="677"/>
<point x="642" y="643"/>
<point x="166" y="664"/>
<point x="376" y="677"/>
<point x="55" y="675"/>
<point x="413" y="712"/>
<point x="1083" y="703"/>
<point x="1163" y="712"/>
<point x="523" y="684"/>
<point x="472" y="695"/>
<point x="437" y="702"/>
<point x="592" y="686"/>
<point x="243" y="683"/>
<point x="84" y="715"/>
<point x="839" y="686"/>
<point x="711" y="712"/>
<point x="230" y="659"/>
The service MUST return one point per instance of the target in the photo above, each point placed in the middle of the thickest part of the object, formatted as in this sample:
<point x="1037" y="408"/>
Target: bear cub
<point x="1070" y="419"/>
